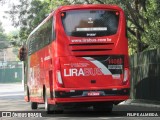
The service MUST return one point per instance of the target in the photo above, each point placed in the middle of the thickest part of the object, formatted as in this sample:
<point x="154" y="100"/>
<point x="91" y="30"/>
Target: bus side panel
<point x="35" y="78"/>
<point x="48" y="68"/>
<point x="32" y="81"/>
<point x="41" y="73"/>
<point x="26" y="77"/>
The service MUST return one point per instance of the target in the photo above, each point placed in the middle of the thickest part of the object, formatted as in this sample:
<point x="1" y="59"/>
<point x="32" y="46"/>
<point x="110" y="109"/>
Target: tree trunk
<point x="139" y="45"/>
<point x="138" y="35"/>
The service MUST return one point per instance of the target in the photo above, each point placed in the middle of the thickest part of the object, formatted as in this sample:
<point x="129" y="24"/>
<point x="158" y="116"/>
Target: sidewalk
<point x="143" y="103"/>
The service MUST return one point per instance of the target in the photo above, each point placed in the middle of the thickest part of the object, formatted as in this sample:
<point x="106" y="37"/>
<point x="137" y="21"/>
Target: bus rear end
<point x="91" y="65"/>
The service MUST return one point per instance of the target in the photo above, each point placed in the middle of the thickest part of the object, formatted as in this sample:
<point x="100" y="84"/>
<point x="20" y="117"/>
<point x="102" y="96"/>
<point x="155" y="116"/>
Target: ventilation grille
<point x="90" y="48"/>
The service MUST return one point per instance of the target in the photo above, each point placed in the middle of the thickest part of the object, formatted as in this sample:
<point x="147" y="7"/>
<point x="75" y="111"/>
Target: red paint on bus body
<point x="78" y="69"/>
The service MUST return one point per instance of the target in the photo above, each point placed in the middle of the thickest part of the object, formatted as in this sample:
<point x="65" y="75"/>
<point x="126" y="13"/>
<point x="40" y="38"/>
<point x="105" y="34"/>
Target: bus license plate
<point x="93" y="93"/>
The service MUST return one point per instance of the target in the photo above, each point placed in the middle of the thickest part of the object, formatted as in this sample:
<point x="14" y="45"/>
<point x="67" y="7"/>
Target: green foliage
<point x="143" y="18"/>
<point x="14" y="38"/>
<point x="2" y="2"/>
<point x="143" y="21"/>
<point x="152" y="34"/>
<point x="3" y="38"/>
<point x="30" y="14"/>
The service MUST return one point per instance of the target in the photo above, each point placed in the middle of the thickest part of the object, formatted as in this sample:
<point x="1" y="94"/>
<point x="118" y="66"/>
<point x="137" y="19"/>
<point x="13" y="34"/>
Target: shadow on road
<point x="83" y="113"/>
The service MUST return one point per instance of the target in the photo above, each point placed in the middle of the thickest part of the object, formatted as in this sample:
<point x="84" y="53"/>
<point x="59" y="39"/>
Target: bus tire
<point x="34" y="105"/>
<point x="48" y="107"/>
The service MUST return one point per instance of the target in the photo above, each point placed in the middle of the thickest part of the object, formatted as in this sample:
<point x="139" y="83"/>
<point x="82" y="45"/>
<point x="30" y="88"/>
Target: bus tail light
<point x="58" y="72"/>
<point x="126" y="76"/>
<point x="59" y="78"/>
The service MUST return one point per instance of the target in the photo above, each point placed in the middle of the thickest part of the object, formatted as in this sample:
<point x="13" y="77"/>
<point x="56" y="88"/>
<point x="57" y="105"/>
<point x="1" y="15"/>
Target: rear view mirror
<point x="22" y="53"/>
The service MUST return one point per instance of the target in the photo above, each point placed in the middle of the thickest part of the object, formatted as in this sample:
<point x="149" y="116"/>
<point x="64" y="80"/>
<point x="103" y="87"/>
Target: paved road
<point x="11" y="99"/>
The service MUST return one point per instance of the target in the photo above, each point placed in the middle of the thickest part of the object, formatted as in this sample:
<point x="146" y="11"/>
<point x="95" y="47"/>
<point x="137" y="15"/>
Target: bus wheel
<point x="48" y="107"/>
<point x="103" y="108"/>
<point x="34" y="105"/>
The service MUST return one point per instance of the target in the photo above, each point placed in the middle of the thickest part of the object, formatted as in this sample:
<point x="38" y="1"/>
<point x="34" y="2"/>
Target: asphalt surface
<point x="12" y="99"/>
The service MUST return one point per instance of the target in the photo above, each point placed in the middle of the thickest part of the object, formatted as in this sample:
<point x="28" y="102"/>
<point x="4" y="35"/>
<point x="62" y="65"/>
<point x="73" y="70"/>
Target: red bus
<point x="78" y="57"/>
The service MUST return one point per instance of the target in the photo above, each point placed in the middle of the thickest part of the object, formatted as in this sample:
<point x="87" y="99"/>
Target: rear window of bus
<point x="90" y="23"/>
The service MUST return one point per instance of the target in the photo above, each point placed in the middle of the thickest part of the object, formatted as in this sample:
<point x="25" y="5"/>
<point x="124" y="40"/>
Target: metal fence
<point x="145" y="75"/>
<point x="11" y="71"/>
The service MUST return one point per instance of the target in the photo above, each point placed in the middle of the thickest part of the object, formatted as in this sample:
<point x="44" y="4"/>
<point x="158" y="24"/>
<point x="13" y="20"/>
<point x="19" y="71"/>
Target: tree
<point x="27" y="15"/>
<point x="14" y="38"/>
<point x="2" y="2"/>
<point x="143" y="18"/>
<point x="152" y="33"/>
<point x="3" y="38"/>
<point x="143" y="21"/>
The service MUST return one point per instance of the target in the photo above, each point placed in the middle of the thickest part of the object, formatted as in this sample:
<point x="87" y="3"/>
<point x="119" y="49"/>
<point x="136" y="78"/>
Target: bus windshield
<point x="90" y="23"/>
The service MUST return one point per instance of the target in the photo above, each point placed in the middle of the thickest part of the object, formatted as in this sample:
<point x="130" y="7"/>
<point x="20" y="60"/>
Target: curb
<point x="143" y="103"/>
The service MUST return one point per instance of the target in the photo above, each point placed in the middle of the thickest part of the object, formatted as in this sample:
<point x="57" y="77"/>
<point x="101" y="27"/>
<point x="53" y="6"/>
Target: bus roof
<point x="90" y="6"/>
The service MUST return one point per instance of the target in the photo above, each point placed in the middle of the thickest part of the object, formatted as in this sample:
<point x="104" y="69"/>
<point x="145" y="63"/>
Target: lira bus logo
<point x="83" y="72"/>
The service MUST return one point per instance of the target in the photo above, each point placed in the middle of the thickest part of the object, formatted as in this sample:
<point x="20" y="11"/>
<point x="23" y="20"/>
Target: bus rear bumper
<point x="93" y="99"/>
<point x="114" y="96"/>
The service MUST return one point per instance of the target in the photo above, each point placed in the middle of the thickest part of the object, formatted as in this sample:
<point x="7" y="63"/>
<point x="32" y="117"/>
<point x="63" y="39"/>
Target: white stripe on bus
<point x="103" y="68"/>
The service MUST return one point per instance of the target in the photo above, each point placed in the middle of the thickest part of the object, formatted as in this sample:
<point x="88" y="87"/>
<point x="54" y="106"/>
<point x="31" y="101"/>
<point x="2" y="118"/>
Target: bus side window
<point x="42" y="37"/>
<point x="53" y="37"/>
<point x="30" y="46"/>
<point x="47" y="32"/>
